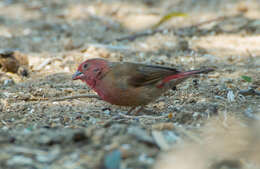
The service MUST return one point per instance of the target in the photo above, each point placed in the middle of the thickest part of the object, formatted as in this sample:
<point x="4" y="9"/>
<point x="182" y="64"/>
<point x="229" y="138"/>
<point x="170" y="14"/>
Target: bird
<point x="130" y="84"/>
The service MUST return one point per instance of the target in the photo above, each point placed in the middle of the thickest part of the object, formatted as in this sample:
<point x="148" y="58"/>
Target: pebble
<point x="230" y="96"/>
<point x="112" y="160"/>
<point x="92" y="120"/>
<point x="171" y="137"/>
<point x="140" y="134"/>
<point x="145" y="159"/>
<point x="5" y="128"/>
<point x="250" y="113"/>
<point x="107" y="112"/>
<point x="8" y="82"/>
<point x="163" y="126"/>
<point x="160" y="140"/>
<point x="161" y="105"/>
<point x="19" y="160"/>
<point x="48" y="157"/>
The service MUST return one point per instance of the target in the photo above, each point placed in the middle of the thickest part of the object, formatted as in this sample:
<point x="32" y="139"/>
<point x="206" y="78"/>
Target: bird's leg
<point x="138" y="111"/>
<point x="129" y="111"/>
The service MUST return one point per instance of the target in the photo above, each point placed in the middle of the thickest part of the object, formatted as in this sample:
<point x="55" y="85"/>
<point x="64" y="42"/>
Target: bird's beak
<point x="77" y="75"/>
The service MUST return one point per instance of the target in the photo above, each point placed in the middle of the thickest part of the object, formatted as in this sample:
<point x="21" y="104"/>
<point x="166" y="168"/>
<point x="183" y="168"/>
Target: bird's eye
<point x="85" y="66"/>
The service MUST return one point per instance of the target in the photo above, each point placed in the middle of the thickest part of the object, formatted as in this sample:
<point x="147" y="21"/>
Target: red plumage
<point x="130" y="84"/>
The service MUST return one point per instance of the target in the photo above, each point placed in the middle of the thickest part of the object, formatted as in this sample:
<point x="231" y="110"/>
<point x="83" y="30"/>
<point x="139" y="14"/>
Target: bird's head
<point x="91" y="70"/>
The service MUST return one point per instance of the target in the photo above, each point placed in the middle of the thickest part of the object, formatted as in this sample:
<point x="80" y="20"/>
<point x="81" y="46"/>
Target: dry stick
<point x="46" y="62"/>
<point x="62" y="98"/>
<point x="136" y="35"/>
<point x="209" y="21"/>
<point x="249" y="91"/>
<point x="76" y="97"/>
<point x="111" y="47"/>
<point x="151" y="32"/>
<point x="143" y="116"/>
<point x="32" y="99"/>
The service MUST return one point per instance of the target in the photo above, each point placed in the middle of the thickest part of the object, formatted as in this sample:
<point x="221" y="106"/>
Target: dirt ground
<point x="87" y="133"/>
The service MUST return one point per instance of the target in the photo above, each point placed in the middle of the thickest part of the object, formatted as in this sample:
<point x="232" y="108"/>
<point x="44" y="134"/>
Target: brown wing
<point x="148" y="74"/>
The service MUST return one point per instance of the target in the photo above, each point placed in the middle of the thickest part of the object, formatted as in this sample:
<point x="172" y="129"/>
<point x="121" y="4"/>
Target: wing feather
<point x="149" y="74"/>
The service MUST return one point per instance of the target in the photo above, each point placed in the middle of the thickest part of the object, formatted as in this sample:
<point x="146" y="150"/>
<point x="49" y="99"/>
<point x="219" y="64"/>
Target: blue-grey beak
<point x="77" y="75"/>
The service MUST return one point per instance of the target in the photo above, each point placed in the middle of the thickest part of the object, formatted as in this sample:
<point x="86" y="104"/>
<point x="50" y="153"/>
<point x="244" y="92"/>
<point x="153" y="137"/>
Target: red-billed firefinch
<point x="130" y="84"/>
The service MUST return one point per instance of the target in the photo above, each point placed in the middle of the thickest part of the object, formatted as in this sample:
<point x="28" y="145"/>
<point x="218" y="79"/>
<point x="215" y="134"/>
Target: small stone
<point x="8" y="82"/>
<point x="48" y="157"/>
<point x="140" y="134"/>
<point x="163" y="126"/>
<point x="79" y="136"/>
<point x="13" y="61"/>
<point x="170" y="116"/>
<point x="161" y="105"/>
<point x="145" y="159"/>
<point x="92" y="120"/>
<point x="19" y="160"/>
<point x="126" y="151"/>
<point x="106" y="111"/>
<point x="171" y="137"/>
<point x="242" y="7"/>
<point x="112" y="160"/>
<point x="230" y="96"/>
<point x="160" y="140"/>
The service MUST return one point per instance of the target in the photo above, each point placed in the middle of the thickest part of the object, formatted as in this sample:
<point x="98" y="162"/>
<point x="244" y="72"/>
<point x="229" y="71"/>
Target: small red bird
<point x="130" y="84"/>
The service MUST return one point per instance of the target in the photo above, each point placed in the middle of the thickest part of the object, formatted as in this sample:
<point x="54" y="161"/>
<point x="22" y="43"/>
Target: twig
<point x="143" y="116"/>
<point x="46" y="62"/>
<point x="151" y="32"/>
<point x="111" y="47"/>
<point x="250" y="91"/>
<point x="209" y="21"/>
<point x="76" y="97"/>
<point x="60" y="99"/>
<point x="32" y="99"/>
<point x="136" y="35"/>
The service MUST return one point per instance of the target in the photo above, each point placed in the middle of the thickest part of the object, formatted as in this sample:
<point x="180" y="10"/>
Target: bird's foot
<point x="135" y="113"/>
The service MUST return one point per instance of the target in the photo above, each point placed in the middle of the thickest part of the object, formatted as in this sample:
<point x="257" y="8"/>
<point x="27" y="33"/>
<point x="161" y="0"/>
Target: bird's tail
<point x="182" y="75"/>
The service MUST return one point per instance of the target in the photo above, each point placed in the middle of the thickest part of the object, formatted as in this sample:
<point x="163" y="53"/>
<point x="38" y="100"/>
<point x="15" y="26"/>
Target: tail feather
<point x="182" y="75"/>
